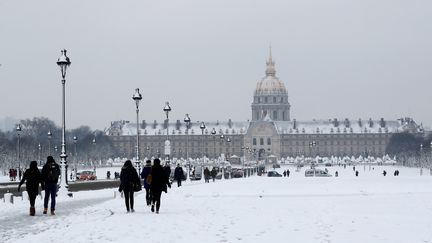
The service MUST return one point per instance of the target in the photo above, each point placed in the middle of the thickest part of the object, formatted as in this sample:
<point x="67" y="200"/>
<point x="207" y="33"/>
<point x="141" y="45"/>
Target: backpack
<point x="53" y="173"/>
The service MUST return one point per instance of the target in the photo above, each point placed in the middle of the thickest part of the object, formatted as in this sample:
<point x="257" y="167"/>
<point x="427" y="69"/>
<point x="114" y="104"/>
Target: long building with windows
<point x="271" y="133"/>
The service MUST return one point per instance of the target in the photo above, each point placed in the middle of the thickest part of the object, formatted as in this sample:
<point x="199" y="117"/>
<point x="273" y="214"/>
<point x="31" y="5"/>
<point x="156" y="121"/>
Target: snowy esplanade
<point x="369" y="208"/>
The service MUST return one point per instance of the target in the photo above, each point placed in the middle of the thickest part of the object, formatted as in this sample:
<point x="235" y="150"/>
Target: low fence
<point x="12" y="187"/>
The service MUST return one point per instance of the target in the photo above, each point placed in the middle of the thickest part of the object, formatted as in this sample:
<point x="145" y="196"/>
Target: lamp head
<point x="63" y="62"/>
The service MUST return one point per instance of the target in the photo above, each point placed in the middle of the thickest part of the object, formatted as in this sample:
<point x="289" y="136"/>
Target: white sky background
<point x="355" y="59"/>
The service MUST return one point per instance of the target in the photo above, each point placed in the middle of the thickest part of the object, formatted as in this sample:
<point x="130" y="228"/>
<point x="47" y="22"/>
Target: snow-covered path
<point x="368" y="208"/>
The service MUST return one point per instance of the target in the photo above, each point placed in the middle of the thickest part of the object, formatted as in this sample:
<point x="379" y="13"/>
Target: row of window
<point x="261" y="141"/>
<point x="270" y="100"/>
<point x="337" y="142"/>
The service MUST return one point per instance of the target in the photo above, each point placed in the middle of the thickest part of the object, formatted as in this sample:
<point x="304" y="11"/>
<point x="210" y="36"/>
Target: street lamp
<point x="18" y="131"/>
<point x="75" y="140"/>
<point x="202" y="127"/>
<point x="137" y="97"/>
<point x="213" y="133"/>
<point x="63" y="62"/>
<point x="94" y="149"/>
<point x="39" y="153"/>
<point x="167" y="109"/>
<point x="49" y="142"/>
<point x="187" y="120"/>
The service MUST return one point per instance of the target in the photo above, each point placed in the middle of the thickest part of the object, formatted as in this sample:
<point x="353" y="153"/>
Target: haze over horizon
<point x="337" y="59"/>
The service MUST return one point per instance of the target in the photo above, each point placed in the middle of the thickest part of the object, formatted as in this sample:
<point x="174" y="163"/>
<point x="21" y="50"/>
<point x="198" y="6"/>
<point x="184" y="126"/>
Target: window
<point x="254" y="142"/>
<point x="268" y="141"/>
<point x="265" y="99"/>
<point x="261" y="141"/>
<point x="275" y="115"/>
<point x="274" y="99"/>
<point x="283" y="115"/>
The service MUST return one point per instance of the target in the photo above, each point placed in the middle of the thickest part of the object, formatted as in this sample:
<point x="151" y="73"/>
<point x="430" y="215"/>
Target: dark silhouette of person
<point x="50" y="176"/>
<point x="178" y="175"/>
<point x="158" y="184"/>
<point x="144" y="175"/>
<point x="128" y="180"/>
<point x="33" y="178"/>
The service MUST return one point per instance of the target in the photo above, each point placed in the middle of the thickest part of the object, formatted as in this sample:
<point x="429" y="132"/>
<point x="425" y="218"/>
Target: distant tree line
<point x="411" y="149"/>
<point x="35" y="132"/>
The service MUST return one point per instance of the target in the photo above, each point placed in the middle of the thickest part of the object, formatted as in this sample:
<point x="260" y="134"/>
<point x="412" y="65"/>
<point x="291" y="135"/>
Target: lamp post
<point x="18" y="131"/>
<point x="311" y="146"/>
<point x="221" y="160"/>
<point x="63" y="62"/>
<point x="213" y="133"/>
<point x="39" y="153"/>
<point x="49" y="141"/>
<point x="187" y="120"/>
<point x="167" y="109"/>
<point x="75" y="140"/>
<point x="137" y="97"/>
<point x="228" y="140"/>
<point x="94" y="149"/>
<point x="202" y="127"/>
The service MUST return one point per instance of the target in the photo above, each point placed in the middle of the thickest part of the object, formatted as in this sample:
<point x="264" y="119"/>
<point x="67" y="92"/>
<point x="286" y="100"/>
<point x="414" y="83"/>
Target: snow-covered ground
<point x="368" y="208"/>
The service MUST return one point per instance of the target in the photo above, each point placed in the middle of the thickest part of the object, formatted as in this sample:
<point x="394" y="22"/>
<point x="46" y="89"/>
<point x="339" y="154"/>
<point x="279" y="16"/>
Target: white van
<point x="317" y="173"/>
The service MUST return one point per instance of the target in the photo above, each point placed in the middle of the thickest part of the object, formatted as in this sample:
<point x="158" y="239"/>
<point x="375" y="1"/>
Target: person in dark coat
<point x="288" y="172"/>
<point x="284" y="173"/>
<point x="158" y="184"/>
<point x="384" y="173"/>
<point x="356" y="173"/>
<point x="178" y="175"/>
<point x="50" y="175"/>
<point x="213" y="173"/>
<point x="167" y="169"/>
<point x="206" y="175"/>
<point x="32" y="177"/>
<point x="128" y="180"/>
<point x="144" y="174"/>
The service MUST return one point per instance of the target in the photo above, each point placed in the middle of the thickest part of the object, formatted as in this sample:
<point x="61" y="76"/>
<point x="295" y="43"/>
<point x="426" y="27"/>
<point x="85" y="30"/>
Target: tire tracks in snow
<point x="17" y="225"/>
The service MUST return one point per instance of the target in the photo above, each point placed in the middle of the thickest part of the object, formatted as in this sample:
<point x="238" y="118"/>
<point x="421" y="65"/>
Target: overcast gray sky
<point x="337" y="58"/>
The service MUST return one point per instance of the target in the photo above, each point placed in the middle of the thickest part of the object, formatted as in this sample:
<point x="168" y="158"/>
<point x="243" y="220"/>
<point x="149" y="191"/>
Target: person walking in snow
<point x="33" y="178"/>
<point x="357" y="173"/>
<point x="167" y="169"/>
<point x="206" y="175"/>
<point x="129" y="180"/>
<point x="178" y="175"/>
<point x="384" y="173"/>
<point x="50" y="176"/>
<point x="158" y="184"/>
<point x="284" y="173"/>
<point x="213" y="173"/>
<point x="145" y="176"/>
<point x="288" y="172"/>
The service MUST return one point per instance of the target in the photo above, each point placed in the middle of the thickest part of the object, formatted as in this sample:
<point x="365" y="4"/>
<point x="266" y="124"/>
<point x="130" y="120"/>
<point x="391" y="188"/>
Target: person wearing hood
<point x="128" y="180"/>
<point x="145" y="176"/>
<point x="158" y="184"/>
<point x="50" y="175"/>
<point x="33" y="178"/>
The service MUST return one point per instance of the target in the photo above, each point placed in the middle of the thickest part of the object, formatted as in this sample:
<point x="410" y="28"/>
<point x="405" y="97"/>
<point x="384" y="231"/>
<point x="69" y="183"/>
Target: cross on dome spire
<point x="270" y="70"/>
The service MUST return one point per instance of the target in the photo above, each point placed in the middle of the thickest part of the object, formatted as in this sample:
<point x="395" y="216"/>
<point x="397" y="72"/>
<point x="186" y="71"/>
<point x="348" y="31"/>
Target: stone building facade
<point x="270" y="133"/>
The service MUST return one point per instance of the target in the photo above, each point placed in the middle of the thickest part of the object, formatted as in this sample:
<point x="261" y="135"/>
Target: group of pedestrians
<point x="155" y="180"/>
<point x="47" y="179"/>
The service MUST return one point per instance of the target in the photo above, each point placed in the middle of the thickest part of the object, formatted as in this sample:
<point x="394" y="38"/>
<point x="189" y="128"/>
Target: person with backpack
<point x="158" y="184"/>
<point x="50" y="176"/>
<point x="147" y="181"/>
<point x="32" y="177"/>
<point x="129" y="183"/>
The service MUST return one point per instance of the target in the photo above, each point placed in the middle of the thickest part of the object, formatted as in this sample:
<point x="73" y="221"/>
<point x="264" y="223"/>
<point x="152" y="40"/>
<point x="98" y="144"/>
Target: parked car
<point x="273" y="174"/>
<point x="86" y="175"/>
<point x="317" y="173"/>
